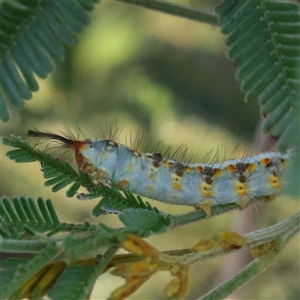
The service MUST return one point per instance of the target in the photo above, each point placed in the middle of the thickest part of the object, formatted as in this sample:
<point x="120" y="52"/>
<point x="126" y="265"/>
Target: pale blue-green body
<point x="185" y="184"/>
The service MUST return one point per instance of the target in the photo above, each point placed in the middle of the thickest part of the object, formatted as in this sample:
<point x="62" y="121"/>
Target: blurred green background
<point x="168" y="78"/>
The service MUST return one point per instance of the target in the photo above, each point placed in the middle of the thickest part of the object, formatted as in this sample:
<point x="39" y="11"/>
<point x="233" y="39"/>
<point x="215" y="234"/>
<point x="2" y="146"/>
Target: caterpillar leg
<point x="271" y="197"/>
<point x="206" y="206"/>
<point x="243" y="202"/>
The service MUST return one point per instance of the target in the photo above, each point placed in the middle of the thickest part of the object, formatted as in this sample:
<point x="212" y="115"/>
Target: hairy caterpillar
<point x="170" y="181"/>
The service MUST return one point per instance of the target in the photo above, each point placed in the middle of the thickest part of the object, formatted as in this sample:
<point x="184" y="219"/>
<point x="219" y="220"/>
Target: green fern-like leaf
<point x="26" y="270"/>
<point x="264" y="39"/>
<point x="7" y="269"/>
<point x="145" y="222"/>
<point x="80" y="279"/>
<point x="116" y="204"/>
<point x="59" y="174"/>
<point x="33" y="35"/>
<point x="21" y="215"/>
<point x="102" y="237"/>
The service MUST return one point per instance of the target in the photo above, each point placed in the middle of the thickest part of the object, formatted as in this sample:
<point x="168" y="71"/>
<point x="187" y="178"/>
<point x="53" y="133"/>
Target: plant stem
<point x="19" y="246"/>
<point x="177" y="10"/>
<point x="197" y="215"/>
<point x="259" y="264"/>
<point x="249" y="272"/>
<point x="26" y="270"/>
<point x="271" y="233"/>
<point x="289" y="226"/>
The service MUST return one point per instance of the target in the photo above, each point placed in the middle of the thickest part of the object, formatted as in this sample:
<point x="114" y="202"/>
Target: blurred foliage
<point x="119" y="68"/>
<point x="33" y="35"/>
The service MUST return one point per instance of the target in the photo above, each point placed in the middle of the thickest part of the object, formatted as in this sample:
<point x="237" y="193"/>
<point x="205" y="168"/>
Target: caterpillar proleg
<point x="175" y="182"/>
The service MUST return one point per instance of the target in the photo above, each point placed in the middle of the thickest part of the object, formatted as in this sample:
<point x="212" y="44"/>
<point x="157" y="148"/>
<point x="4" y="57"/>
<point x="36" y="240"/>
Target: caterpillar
<point x="175" y="182"/>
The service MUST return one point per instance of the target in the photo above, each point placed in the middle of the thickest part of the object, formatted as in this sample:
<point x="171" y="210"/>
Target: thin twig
<point x="258" y="265"/>
<point x="216" y="210"/>
<point x="177" y="10"/>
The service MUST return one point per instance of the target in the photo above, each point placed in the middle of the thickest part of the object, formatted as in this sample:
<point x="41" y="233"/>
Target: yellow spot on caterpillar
<point x="152" y="175"/>
<point x="241" y="188"/>
<point x="199" y="169"/>
<point x="175" y="180"/>
<point x="205" y="189"/>
<point x="230" y="168"/>
<point x="101" y="174"/>
<point x="150" y="189"/>
<point x="265" y="161"/>
<point x="123" y="183"/>
<point x="89" y="168"/>
<point x="218" y="172"/>
<point x="170" y="164"/>
<point x="104" y="154"/>
<point x="188" y="169"/>
<point x="251" y="167"/>
<point x="129" y="167"/>
<point x="177" y="186"/>
<point x="275" y="181"/>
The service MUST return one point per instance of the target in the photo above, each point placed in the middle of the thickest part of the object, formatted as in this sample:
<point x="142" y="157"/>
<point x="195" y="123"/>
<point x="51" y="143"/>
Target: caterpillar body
<point x="192" y="184"/>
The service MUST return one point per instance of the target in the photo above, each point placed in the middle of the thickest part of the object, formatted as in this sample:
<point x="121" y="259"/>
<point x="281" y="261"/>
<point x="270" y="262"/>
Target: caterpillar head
<point x="85" y="151"/>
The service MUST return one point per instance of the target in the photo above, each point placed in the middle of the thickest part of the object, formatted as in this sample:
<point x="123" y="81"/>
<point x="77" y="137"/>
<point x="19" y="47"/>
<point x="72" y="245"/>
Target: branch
<point x="136" y="272"/>
<point x="282" y="232"/>
<point x="216" y="210"/>
<point x="259" y="264"/>
<point x="26" y="270"/>
<point x="21" y="246"/>
<point x="177" y="10"/>
<point x="249" y="272"/>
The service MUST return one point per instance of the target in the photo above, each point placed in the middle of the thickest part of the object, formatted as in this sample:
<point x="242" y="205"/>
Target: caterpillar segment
<point x="192" y="184"/>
